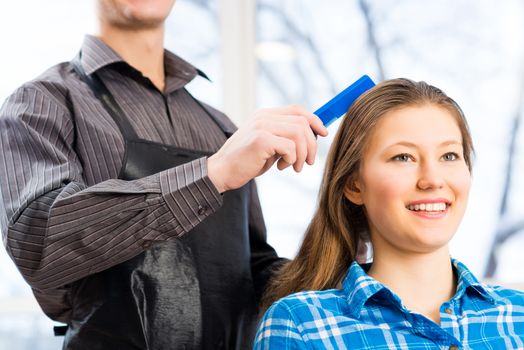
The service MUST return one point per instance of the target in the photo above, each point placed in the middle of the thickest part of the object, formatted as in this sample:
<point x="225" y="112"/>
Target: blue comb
<point x="340" y="104"/>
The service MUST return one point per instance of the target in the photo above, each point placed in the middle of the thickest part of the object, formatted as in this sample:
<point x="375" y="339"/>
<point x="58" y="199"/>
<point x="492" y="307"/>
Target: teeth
<point x="428" y="207"/>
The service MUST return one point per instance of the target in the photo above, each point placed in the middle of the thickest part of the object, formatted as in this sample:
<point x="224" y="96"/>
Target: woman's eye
<point x="404" y="157"/>
<point x="450" y="156"/>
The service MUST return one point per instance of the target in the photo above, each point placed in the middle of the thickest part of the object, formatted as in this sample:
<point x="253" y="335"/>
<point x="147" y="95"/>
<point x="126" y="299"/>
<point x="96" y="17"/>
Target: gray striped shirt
<point x="64" y="214"/>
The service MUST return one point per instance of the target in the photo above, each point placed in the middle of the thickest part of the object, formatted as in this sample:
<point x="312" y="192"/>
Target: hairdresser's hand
<point x="283" y="135"/>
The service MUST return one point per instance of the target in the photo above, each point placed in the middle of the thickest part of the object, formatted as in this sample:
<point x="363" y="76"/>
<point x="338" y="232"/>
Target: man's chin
<point x="139" y="23"/>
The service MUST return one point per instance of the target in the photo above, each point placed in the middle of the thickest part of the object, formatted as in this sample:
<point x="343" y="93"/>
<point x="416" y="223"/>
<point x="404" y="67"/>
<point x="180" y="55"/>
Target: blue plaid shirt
<point x="365" y="314"/>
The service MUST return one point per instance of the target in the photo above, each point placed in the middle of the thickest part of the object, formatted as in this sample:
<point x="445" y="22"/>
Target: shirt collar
<point x="359" y="287"/>
<point x="96" y="54"/>
<point x="468" y="282"/>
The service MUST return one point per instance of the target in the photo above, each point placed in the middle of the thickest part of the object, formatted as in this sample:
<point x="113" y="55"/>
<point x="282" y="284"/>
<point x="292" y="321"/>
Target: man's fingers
<point x="284" y="148"/>
<point x="281" y="164"/>
<point x="299" y="122"/>
<point x="297" y="130"/>
<point x="312" y="146"/>
<point x="296" y="110"/>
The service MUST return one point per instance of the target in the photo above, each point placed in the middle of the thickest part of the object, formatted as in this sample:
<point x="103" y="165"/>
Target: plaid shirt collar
<point x="359" y="287"/>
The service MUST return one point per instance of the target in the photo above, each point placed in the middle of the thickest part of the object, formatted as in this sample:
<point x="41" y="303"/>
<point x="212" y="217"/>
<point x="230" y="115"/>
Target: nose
<point x="430" y="176"/>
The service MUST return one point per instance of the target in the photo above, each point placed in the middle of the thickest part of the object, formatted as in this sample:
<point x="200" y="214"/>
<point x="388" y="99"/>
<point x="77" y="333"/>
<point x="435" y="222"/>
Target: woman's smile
<point x="429" y="208"/>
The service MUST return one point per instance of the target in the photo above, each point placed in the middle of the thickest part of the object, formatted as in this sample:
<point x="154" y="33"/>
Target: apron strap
<point x="228" y="131"/>
<point x="106" y="98"/>
<point x="108" y="101"/>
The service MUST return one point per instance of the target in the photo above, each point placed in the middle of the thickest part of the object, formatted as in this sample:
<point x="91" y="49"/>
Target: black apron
<point x="192" y="292"/>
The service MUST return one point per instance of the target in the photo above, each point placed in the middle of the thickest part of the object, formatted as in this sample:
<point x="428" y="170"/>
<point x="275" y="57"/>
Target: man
<point x="124" y="207"/>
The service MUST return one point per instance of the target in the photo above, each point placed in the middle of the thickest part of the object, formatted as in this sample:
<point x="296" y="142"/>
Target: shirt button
<point x="202" y="209"/>
<point x="449" y="312"/>
<point x="453" y="347"/>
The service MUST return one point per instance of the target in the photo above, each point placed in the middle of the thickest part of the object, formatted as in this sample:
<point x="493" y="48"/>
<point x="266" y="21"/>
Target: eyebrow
<point x="412" y="145"/>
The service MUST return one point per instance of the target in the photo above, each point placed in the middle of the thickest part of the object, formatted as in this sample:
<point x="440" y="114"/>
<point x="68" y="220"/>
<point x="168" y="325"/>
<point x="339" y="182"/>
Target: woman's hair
<point x="339" y="228"/>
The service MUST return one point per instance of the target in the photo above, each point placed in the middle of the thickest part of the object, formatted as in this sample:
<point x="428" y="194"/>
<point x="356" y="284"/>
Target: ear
<point x="353" y="193"/>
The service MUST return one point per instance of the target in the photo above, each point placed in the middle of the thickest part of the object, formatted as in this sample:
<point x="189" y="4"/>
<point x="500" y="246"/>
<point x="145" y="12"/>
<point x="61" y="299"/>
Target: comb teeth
<point x="340" y="104"/>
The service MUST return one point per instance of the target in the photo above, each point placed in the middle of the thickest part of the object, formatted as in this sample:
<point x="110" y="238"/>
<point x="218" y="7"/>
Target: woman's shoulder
<point x="311" y="296"/>
<point x="303" y="305"/>
<point x="501" y="293"/>
<point x="308" y="311"/>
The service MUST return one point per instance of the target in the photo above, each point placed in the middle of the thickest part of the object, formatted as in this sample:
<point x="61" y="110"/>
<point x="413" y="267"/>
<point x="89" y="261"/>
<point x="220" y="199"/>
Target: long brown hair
<point x="339" y="227"/>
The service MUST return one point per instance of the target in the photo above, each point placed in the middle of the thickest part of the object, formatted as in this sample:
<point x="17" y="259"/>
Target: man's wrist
<point x="213" y="173"/>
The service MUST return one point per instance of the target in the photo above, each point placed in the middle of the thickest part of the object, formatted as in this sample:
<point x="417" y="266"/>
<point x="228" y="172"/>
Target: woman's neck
<point x="422" y="281"/>
<point x="142" y="49"/>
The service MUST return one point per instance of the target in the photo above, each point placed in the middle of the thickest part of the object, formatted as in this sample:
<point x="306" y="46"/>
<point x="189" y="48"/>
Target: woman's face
<point x="413" y="180"/>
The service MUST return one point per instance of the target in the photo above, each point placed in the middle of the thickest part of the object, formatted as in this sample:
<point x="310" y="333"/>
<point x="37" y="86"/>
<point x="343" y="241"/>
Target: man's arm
<point x="57" y="229"/>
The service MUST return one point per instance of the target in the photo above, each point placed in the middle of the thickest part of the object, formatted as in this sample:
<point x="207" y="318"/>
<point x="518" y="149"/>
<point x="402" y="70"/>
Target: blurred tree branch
<point x="372" y="38"/>
<point x="507" y="228"/>
<point x="300" y="37"/>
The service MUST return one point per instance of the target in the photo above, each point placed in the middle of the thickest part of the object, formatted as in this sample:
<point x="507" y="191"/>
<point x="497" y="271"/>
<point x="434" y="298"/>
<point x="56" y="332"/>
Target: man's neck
<point x="142" y="49"/>
<point x="422" y="281"/>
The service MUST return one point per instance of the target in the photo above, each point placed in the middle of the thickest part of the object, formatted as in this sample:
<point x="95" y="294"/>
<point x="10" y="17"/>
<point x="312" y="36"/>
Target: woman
<point x="397" y="177"/>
